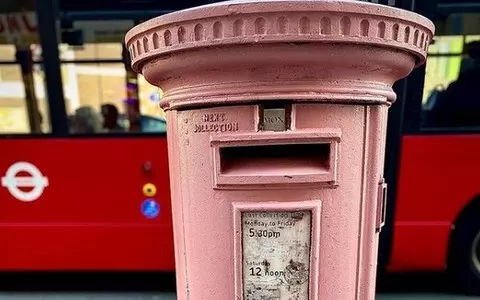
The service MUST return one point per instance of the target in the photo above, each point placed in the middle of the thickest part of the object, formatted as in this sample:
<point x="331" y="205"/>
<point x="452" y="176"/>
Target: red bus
<point x="432" y="155"/>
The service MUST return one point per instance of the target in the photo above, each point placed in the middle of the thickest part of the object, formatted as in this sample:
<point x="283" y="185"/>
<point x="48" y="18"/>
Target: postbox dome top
<point x="247" y="21"/>
<point x="328" y="48"/>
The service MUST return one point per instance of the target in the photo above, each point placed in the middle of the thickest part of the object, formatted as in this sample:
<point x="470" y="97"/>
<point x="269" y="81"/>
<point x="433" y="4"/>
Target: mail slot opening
<point x="280" y="160"/>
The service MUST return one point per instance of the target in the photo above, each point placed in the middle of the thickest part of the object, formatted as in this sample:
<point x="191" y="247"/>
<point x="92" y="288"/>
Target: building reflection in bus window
<point x="87" y="51"/>
<point x="7" y="52"/>
<point x="93" y="85"/>
<point x="96" y="93"/>
<point x="451" y="94"/>
<point x="95" y="51"/>
<point x="14" y="118"/>
<point x="86" y="88"/>
<point x="13" y="108"/>
<point x="150" y="97"/>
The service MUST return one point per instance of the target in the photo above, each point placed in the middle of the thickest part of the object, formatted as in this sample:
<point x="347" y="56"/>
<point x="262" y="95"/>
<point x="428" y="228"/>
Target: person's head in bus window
<point x="472" y="49"/>
<point x="86" y="120"/>
<point x="471" y="59"/>
<point x="110" y="117"/>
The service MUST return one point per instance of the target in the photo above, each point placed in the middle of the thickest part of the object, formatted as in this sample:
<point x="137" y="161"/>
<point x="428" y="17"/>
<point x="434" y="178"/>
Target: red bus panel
<point x="89" y="216"/>
<point x="438" y="178"/>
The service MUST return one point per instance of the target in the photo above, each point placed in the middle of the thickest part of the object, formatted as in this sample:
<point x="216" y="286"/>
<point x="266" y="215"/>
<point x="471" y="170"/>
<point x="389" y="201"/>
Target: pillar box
<point x="276" y="114"/>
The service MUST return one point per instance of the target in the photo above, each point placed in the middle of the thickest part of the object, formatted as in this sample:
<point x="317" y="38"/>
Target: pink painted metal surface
<point x="229" y="71"/>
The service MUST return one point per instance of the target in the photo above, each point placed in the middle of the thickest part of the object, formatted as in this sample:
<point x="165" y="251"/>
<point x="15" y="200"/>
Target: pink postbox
<point x="277" y="116"/>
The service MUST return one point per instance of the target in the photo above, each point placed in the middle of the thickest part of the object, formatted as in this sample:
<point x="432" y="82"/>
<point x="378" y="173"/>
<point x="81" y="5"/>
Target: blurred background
<point x="85" y="200"/>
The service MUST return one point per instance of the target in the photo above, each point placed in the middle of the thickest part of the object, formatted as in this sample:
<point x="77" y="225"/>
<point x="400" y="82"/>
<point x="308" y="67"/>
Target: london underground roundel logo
<point x="33" y="185"/>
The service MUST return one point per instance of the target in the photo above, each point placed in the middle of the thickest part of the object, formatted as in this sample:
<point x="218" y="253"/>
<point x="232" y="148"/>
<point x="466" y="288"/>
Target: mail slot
<point x="279" y="160"/>
<point x="276" y="115"/>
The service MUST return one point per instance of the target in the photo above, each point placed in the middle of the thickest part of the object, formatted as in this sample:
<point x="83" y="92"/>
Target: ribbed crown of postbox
<point x="389" y="40"/>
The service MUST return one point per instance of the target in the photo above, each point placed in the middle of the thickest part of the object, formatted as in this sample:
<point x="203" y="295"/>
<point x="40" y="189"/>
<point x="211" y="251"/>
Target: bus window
<point x="14" y="116"/>
<point x="96" y="85"/>
<point x="97" y="93"/>
<point x="451" y="96"/>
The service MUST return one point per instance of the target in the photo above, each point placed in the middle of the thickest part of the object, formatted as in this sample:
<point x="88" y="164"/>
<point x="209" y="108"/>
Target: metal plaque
<point x="274" y="119"/>
<point x="276" y="255"/>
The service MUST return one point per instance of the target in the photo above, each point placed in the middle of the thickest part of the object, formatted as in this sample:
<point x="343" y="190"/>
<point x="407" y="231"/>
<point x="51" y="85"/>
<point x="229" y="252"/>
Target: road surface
<point x="391" y="287"/>
<point x="171" y="296"/>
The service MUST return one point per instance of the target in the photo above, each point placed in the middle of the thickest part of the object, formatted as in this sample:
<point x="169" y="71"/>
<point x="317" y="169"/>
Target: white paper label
<point x="276" y="255"/>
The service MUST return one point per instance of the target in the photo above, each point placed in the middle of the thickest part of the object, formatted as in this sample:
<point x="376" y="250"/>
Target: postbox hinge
<point x="381" y="205"/>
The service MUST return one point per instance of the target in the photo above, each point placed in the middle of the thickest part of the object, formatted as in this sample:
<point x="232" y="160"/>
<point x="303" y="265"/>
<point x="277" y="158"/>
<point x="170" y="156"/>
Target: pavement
<point x="87" y="296"/>
<point x="423" y="297"/>
<point x="139" y="287"/>
<point x="171" y="296"/>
